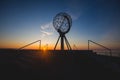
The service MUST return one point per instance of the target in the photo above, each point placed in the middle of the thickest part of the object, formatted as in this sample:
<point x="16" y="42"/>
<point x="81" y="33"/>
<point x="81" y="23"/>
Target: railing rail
<point x="110" y="51"/>
<point x="31" y="44"/>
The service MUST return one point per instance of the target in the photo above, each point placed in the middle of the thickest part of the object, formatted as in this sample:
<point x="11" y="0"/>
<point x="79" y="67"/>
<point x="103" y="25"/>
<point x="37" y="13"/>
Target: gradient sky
<point x="25" y="21"/>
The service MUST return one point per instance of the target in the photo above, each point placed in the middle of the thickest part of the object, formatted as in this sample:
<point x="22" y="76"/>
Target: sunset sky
<point x="25" y="21"/>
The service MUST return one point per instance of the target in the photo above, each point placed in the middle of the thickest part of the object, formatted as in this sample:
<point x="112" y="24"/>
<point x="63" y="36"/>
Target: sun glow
<point x="44" y="49"/>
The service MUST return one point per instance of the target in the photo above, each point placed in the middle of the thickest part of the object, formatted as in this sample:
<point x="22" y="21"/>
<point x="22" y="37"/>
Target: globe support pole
<point x="62" y="42"/>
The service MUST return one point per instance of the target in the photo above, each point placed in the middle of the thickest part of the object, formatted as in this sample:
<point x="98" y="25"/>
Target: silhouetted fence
<point x="99" y="51"/>
<point x="31" y="44"/>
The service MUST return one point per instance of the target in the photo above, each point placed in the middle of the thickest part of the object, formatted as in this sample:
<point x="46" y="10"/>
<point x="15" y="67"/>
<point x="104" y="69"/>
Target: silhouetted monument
<point x="62" y="23"/>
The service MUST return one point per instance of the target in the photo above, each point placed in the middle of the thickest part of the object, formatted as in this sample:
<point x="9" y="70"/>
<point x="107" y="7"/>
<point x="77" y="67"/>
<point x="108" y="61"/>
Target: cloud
<point x="46" y="26"/>
<point x="74" y="15"/>
<point x="47" y="33"/>
<point x="47" y="29"/>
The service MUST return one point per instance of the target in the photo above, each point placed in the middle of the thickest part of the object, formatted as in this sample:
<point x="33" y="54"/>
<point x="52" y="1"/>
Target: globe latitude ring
<point x="62" y="22"/>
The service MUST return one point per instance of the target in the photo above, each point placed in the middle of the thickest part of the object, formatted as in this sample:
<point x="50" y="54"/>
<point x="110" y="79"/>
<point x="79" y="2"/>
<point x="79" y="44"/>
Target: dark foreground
<point x="57" y="65"/>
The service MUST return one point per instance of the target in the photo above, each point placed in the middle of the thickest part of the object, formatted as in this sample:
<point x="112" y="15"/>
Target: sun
<point x="44" y="49"/>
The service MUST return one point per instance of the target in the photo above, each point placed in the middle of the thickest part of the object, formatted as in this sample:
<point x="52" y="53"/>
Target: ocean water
<point x="114" y="52"/>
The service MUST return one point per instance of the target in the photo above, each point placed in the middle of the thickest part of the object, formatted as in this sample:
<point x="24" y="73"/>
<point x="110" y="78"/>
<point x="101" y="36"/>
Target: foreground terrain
<point x="57" y="65"/>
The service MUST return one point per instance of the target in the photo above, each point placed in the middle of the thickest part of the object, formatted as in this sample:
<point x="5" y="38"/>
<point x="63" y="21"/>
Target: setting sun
<point x="44" y="49"/>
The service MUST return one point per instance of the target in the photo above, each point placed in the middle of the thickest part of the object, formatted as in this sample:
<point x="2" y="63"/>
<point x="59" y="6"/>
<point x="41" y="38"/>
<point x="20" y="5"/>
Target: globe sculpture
<point x="62" y="23"/>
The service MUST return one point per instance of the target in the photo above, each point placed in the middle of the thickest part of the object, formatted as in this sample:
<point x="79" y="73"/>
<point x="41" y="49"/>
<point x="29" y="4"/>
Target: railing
<point x="31" y="44"/>
<point x="110" y="52"/>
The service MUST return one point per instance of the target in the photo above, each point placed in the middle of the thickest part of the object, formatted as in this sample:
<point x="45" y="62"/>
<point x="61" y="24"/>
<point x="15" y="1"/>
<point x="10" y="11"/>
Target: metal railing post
<point x="88" y="44"/>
